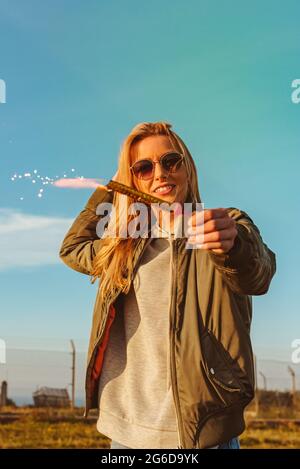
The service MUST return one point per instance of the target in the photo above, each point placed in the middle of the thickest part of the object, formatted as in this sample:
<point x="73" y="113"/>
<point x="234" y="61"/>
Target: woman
<point x="170" y="363"/>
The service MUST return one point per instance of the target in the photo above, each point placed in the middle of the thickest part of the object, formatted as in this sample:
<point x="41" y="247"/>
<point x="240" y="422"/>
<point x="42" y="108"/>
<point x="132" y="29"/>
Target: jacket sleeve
<point x="81" y="243"/>
<point x="249" y="266"/>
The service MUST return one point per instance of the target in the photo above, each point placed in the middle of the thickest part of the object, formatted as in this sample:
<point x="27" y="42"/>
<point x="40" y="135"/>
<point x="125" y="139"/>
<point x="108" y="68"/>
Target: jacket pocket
<point x="219" y="370"/>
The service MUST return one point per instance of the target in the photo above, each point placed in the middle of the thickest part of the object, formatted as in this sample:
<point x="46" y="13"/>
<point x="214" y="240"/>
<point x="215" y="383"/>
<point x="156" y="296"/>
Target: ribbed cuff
<point x="238" y="255"/>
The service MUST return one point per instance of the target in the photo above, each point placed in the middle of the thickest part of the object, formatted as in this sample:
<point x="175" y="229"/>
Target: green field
<point x="53" y="428"/>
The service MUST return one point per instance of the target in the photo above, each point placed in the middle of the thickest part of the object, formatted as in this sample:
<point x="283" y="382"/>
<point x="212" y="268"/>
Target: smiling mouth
<point x="165" y="190"/>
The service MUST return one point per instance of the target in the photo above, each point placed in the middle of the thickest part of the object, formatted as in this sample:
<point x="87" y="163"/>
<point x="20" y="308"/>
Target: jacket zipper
<point x="172" y="360"/>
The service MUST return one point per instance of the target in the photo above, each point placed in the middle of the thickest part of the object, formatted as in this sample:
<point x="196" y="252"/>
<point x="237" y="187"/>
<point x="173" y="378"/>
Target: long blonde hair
<point x="113" y="264"/>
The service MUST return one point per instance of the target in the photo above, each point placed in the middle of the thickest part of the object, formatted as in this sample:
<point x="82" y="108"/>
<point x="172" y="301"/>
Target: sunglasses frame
<point x="154" y="163"/>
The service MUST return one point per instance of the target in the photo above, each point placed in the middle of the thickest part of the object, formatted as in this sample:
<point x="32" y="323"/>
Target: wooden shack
<point x="51" y="397"/>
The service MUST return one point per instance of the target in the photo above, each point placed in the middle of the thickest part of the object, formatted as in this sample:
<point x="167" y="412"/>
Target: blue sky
<point x="79" y="75"/>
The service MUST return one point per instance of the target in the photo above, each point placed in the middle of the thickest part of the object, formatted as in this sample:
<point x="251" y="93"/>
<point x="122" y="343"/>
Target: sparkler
<point x="80" y="182"/>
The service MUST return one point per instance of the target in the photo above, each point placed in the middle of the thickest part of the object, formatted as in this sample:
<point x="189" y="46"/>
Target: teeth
<point x="163" y="189"/>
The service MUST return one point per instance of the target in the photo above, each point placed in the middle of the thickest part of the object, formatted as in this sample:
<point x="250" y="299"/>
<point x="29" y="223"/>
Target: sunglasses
<point x="144" y="169"/>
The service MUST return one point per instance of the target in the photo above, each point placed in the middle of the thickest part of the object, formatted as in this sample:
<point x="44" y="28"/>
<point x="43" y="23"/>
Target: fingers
<point x="212" y="229"/>
<point x="211" y="226"/>
<point x="213" y="237"/>
<point x="206" y="215"/>
<point x="219" y="247"/>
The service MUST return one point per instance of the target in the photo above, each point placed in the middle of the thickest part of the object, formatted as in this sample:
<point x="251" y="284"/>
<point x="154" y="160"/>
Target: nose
<point x="159" y="171"/>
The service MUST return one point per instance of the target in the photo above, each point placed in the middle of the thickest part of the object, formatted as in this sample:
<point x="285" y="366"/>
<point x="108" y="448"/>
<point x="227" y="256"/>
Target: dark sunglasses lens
<point x="143" y="169"/>
<point x="172" y="162"/>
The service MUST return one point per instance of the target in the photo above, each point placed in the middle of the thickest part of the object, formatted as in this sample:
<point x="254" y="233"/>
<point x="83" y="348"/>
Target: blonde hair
<point x="113" y="264"/>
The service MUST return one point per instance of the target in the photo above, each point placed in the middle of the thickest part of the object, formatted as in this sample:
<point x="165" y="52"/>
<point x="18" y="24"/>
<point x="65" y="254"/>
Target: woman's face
<point x="152" y="148"/>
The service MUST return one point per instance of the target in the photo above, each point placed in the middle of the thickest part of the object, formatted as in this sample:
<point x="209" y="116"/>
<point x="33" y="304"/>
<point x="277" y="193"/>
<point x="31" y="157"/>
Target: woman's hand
<point x="212" y="229"/>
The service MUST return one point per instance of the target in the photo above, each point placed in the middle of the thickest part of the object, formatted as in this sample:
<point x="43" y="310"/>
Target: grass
<point x="65" y="428"/>
<point x="263" y="436"/>
<point x="49" y="428"/>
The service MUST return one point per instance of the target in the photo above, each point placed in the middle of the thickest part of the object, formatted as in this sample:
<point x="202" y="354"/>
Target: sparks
<point x="42" y="180"/>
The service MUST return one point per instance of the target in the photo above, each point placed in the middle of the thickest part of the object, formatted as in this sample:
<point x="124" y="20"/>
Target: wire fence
<point x="25" y="370"/>
<point x="277" y="375"/>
